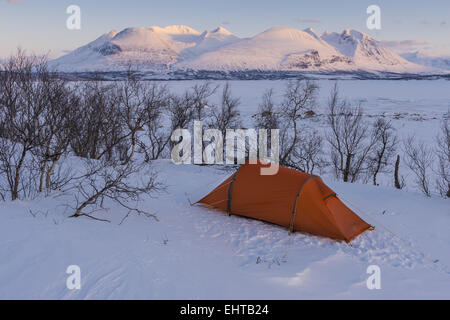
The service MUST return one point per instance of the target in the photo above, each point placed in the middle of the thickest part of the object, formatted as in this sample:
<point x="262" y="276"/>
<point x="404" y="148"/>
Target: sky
<point x="39" y="26"/>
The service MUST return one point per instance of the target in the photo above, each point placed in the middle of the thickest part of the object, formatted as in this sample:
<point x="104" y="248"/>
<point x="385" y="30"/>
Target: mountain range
<point x="172" y="48"/>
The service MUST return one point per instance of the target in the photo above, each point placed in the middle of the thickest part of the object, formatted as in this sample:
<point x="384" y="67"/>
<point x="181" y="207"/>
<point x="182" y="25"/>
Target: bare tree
<point x="22" y="102"/>
<point x="226" y="115"/>
<point x="56" y="130"/>
<point x="268" y="115"/>
<point x="299" y="97"/>
<point x="139" y="107"/>
<point x="443" y="156"/>
<point x="111" y="180"/>
<point x="309" y="154"/>
<point x="98" y="128"/>
<point x="300" y="148"/>
<point x="348" y="138"/>
<point x="385" y="143"/>
<point x="181" y="112"/>
<point x="198" y="96"/>
<point x="158" y="101"/>
<point x="419" y="159"/>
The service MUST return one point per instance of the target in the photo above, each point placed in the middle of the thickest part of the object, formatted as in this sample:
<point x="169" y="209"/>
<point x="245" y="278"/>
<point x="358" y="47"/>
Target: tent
<point x="290" y="198"/>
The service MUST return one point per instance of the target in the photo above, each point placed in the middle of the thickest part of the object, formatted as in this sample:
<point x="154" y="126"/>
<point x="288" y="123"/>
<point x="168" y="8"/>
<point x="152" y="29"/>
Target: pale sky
<point x="39" y="26"/>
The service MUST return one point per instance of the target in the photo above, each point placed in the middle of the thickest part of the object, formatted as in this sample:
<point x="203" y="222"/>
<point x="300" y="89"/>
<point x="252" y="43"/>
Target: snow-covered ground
<point x="195" y="253"/>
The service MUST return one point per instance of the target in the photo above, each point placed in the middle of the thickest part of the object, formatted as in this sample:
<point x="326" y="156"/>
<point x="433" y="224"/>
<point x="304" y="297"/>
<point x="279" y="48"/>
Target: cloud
<point x="226" y="22"/>
<point x="13" y="1"/>
<point x="443" y="23"/>
<point x="404" y="45"/>
<point x="307" y="20"/>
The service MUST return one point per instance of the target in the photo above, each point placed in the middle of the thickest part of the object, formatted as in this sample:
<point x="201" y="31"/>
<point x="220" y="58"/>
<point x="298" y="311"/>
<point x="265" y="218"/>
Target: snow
<point x="278" y="48"/>
<point x="210" y="255"/>
<point x="196" y="253"/>
<point x="265" y="51"/>
<point x="367" y="53"/>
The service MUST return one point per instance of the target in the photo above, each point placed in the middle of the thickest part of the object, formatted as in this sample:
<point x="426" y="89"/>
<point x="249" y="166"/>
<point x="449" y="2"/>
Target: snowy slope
<point x="274" y="49"/>
<point x="369" y="54"/>
<point x="152" y="48"/>
<point x="209" y="41"/>
<point x="279" y="48"/>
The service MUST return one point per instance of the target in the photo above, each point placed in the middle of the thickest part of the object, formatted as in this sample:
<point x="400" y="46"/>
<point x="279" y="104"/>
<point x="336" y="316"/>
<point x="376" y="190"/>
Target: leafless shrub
<point x="419" y="159"/>
<point x="226" y="115"/>
<point x="198" y="96"/>
<point x="98" y="129"/>
<point x="43" y="119"/>
<point x="296" y="149"/>
<point x="138" y="112"/>
<point x="268" y="115"/>
<point x="443" y="156"/>
<point x="309" y="155"/>
<point x="181" y="112"/>
<point x="348" y="138"/>
<point x="383" y="133"/>
<point x="157" y="101"/>
<point x="22" y="103"/>
<point x="115" y="181"/>
<point x="299" y="97"/>
<point x="55" y="132"/>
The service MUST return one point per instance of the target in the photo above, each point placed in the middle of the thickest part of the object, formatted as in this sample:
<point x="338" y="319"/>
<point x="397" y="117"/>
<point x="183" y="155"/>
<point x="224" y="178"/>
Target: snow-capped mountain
<point x="279" y="48"/>
<point x="366" y="52"/>
<point x="153" y="48"/>
<point x="441" y="62"/>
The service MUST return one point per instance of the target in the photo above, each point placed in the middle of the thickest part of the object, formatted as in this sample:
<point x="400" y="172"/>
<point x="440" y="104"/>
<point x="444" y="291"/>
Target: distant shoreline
<point x="247" y="75"/>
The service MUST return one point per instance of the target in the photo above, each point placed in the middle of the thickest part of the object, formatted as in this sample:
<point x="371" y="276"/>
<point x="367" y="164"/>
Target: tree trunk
<point x="41" y="179"/>
<point x="49" y="174"/>
<point x="15" y="190"/>
<point x="397" y="181"/>
<point x="347" y="168"/>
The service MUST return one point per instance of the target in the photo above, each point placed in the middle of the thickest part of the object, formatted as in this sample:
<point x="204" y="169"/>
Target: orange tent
<point x="290" y="198"/>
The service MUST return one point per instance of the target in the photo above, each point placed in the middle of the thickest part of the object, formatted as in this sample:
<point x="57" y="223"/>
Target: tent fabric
<point x="290" y="198"/>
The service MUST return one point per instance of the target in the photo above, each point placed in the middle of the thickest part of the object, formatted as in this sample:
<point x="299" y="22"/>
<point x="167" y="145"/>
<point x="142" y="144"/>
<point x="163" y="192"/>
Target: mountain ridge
<point x="178" y="47"/>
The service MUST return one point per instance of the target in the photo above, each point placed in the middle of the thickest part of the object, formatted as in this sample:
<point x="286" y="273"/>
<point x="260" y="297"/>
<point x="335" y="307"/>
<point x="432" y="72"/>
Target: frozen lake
<point x="415" y="106"/>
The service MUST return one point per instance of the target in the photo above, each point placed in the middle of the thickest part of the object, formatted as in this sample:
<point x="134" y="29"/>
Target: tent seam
<point x="230" y="191"/>
<point x="291" y="227"/>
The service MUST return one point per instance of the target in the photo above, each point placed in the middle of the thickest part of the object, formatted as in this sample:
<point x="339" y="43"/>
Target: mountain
<point x="207" y="42"/>
<point x="367" y="53"/>
<point x="441" y="62"/>
<point x="151" y="48"/>
<point x="279" y="48"/>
